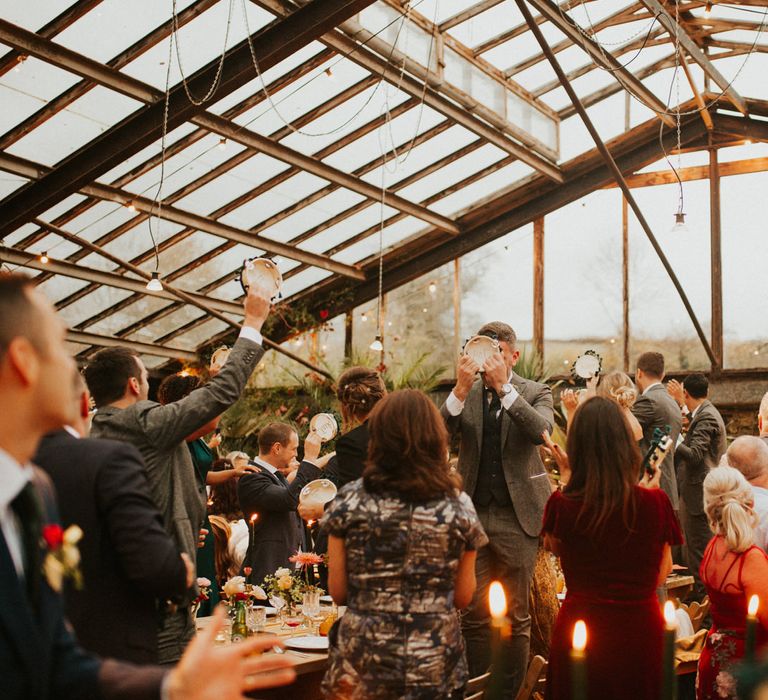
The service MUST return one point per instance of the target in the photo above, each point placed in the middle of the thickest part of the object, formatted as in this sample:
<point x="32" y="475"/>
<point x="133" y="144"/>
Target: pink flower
<point x="726" y="685"/>
<point x="306" y="558"/>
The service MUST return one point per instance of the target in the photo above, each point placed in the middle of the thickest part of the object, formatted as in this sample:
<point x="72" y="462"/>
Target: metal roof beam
<point x="36" y="171"/>
<point x="549" y="10"/>
<point x="272" y="44"/>
<point x="105" y="341"/>
<point x="678" y="33"/>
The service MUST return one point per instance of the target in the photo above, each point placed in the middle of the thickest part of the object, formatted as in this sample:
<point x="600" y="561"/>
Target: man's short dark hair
<point x="18" y="315"/>
<point x="696" y="385"/>
<point x="652" y="363"/>
<point x="500" y="331"/>
<point x="108" y="372"/>
<point x="272" y="433"/>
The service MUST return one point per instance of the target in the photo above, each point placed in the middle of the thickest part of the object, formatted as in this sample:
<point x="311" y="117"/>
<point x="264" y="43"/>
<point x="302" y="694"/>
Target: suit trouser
<point x="697" y="536"/>
<point x="176" y="631"/>
<point x="509" y="557"/>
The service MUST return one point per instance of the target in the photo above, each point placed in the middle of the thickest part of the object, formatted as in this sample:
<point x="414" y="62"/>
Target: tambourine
<point x="587" y="365"/>
<point x="318" y="492"/>
<point x="262" y="272"/>
<point x="219" y="357"/>
<point x="480" y="348"/>
<point x="324" y="424"/>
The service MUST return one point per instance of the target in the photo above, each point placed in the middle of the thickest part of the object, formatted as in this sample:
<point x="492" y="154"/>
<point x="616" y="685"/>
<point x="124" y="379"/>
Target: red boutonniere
<point x="62" y="559"/>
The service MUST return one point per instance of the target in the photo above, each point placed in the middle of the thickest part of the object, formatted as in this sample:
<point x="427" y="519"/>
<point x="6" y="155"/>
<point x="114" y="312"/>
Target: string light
<point x="708" y="10"/>
<point x="424" y="310"/>
<point x="19" y="60"/>
<point x="329" y="73"/>
<point x="130" y="206"/>
<point x="223" y="143"/>
<point x="154" y="284"/>
<point x="44" y="257"/>
<point x="364" y="317"/>
<point x="432" y="287"/>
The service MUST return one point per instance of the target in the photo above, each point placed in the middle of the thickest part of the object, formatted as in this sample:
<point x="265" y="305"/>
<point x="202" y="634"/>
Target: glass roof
<point x="448" y="104"/>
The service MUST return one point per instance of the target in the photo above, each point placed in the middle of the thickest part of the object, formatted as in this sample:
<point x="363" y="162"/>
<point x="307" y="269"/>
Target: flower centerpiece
<point x="288" y="586"/>
<point x="204" y="586"/>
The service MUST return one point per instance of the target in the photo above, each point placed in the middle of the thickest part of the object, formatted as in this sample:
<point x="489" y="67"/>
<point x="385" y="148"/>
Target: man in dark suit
<point x="117" y="380"/>
<point x="129" y="562"/>
<point x="39" y="657"/>
<point x="501" y="417"/>
<point x="278" y="531"/>
<point x="655" y="408"/>
<point x="700" y="451"/>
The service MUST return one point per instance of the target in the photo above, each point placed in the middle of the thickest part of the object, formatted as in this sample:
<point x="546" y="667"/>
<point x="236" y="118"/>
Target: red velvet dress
<point x="611" y="580"/>
<point x="725" y="640"/>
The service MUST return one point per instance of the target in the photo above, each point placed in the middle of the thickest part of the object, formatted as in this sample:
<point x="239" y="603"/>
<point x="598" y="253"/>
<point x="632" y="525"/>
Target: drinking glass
<point x="310" y="606"/>
<point x="257" y="618"/>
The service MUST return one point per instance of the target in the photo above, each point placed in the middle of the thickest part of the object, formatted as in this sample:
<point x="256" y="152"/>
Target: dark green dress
<point x="202" y="458"/>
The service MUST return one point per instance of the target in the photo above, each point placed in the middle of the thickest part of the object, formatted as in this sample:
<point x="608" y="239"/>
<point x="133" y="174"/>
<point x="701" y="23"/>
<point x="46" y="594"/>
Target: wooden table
<point x="310" y="666"/>
<point x="678" y="586"/>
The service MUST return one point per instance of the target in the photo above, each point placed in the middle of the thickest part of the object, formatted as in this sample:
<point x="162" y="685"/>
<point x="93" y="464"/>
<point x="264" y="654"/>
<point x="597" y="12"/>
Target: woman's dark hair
<point x="359" y="390"/>
<point x="408" y="449"/>
<point x="176" y="387"/>
<point x="605" y="462"/>
<point x="224" y="500"/>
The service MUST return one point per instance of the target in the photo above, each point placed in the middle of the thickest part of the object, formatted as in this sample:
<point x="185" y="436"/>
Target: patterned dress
<point x="401" y="636"/>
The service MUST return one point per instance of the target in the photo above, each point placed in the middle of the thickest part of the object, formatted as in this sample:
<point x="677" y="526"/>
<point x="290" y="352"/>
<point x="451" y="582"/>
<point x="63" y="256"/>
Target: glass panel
<point x="143" y="307"/>
<point x="98" y="300"/>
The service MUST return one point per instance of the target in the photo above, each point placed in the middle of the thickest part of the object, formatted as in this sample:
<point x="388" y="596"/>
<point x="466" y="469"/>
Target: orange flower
<point x="306" y="558"/>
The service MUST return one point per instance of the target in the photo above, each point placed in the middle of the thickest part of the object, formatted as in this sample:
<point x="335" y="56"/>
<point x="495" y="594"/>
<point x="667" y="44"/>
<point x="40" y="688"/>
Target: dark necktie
<point x="27" y="510"/>
<point x="495" y="404"/>
<point x="281" y="478"/>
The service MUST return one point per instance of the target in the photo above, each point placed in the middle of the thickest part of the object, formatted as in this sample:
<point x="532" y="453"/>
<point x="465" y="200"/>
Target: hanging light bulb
<point x="377" y="345"/>
<point x="223" y="143"/>
<point x="154" y="284"/>
<point x="44" y="257"/>
<point x="432" y="287"/>
<point x="364" y="317"/>
<point x="130" y="206"/>
<point x="708" y="10"/>
<point x="680" y="226"/>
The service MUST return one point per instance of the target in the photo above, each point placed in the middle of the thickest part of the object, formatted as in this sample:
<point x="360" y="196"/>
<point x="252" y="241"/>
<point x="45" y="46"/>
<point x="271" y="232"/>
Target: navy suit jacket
<point x="279" y="531"/>
<point x="129" y="561"/>
<point x="39" y="657"/>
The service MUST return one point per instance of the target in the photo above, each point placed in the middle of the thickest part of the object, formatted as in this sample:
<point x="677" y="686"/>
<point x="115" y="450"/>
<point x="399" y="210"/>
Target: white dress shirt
<point x="454" y="406"/>
<point x="761" y="511"/>
<point x="13" y="478"/>
<point x="251" y="334"/>
<point x="266" y="465"/>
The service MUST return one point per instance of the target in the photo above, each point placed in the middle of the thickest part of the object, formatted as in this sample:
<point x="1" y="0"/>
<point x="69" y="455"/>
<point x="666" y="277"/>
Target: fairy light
<point x="223" y="143"/>
<point x="44" y="257"/>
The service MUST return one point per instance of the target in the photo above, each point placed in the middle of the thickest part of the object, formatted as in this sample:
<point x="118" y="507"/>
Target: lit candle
<point x="579" y="662"/>
<point x="751" y="631"/>
<point x="501" y="631"/>
<point x="668" y="684"/>
<point x="254" y="518"/>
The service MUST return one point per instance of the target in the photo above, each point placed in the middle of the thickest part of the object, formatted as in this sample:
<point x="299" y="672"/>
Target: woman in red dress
<point x="733" y="569"/>
<point x="613" y="538"/>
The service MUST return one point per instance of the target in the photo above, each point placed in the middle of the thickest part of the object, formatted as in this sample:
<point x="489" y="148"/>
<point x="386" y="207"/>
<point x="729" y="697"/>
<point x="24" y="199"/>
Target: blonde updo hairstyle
<point x="617" y="385"/>
<point x="728" y="502"/>
<point x="359" y="390"/>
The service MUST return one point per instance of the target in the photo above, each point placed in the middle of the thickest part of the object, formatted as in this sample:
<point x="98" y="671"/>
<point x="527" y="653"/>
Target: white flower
<point x="282" y="571"/>
<point x="70" y="555"/>
<point x="235" y="585"/>
<point x="726" y="685"/>
<point x="72" y="535"/>
<point x="259" y="593"/>
<point x="54" y="572"/>
<point x="203" y="582"/>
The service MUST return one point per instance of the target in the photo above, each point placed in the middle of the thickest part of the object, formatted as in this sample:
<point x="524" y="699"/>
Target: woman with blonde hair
<point x="613" y="385"/>
<point x="733" y="569"/>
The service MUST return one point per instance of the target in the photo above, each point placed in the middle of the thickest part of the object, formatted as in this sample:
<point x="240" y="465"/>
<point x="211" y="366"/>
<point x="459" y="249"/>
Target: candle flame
<point x="669" y="614"/>
<point x="579" y="636"/>
<point x="754" y="604"/>
<point x="497" y="601"/>
<point x="254" y="517"/>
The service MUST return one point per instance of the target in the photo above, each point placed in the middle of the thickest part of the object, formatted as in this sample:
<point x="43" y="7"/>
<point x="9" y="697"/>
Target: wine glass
<point x="311" y="607"/>
<point x="292" y="618"/>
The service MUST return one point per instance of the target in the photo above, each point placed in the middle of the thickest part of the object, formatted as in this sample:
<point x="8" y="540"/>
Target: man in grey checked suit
<point x="500" y="418"/>
<point x="117" y="380"/>
<point x="655" y="408"/>
<point x="700" y="451"/>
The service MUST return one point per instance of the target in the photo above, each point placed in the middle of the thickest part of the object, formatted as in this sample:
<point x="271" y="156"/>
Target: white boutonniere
<point x="62" y="559"/>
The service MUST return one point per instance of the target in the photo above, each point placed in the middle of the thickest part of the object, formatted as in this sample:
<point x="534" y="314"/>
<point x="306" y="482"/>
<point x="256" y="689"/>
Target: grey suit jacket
<point x="701" y="450"/>
<point x="657" y="409"/>
<point x="159" y="433"/>
<point x="521" y="428"/>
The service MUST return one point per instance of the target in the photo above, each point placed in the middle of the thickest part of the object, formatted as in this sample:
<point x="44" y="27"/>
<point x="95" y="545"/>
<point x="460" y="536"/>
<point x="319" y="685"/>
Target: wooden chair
<point x="476" y="687"/>
<point x="534" y="678"/>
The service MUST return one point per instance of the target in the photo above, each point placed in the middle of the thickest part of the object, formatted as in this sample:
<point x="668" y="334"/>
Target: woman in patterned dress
<point x="733" y="569"/>
<point x="402" y="545"/>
